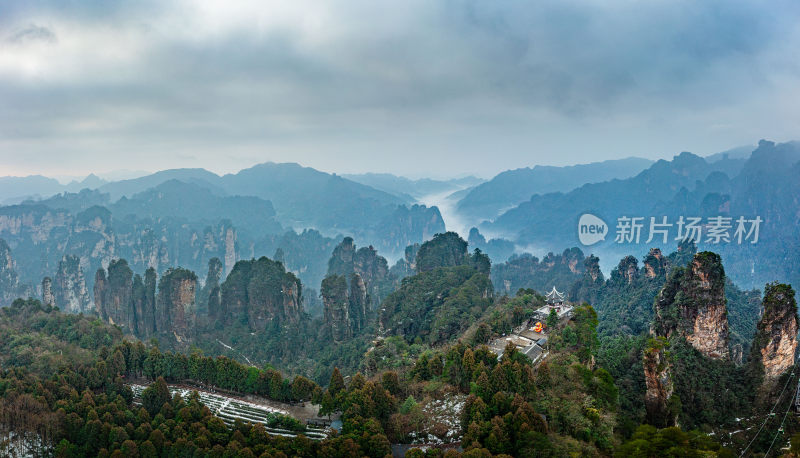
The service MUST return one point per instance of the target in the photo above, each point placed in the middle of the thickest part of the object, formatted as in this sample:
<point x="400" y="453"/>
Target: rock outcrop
<point x="372" y="269"/>
<point x="406" y="226"/>
<point x="592" y="268"/>
<point x="444" y="250"/>
<point x="336" y="307"/>
<point x="112" y="295"/>
<point x="775" y="342"/>
<point x="229" y="237"/>
<point x="175" y="306"/>
<point x="359" y="303"/>
<point x="259" y="292"/>
<point x="341" y="261"/>
<point x="627" y="269"/>
<point x="8" y="274"/>
<point x="658" y="379"/>
<point x="588" y="288"/>
<point x="71" y="294"/>
<point x="44" y="235"/>
<point x="143" y="297"/>
<point x="655" y="264"/>
<point x="692" y="305"/>
<point x="48" y="299"/>
<point x="346" y="308"/>
<point x="562" y="270"/>
<point x="210" y="291"/>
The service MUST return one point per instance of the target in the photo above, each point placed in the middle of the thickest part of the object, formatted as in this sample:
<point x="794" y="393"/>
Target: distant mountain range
<point x="413" y="189"/>
<point x="765" y="185"/>
<point x="186" y="217"/>
<point x="510" y="188"/>
<point x="14" y="190"/>
<point x="267" y="207"/>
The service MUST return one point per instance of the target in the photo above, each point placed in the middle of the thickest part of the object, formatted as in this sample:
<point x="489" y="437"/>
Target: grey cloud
<point x="486" y="82"/>
<point x="32" y="32"/>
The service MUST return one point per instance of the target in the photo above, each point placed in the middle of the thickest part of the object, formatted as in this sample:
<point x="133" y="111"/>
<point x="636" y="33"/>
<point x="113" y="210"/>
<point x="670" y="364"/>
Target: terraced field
<point x="230" y="409"/>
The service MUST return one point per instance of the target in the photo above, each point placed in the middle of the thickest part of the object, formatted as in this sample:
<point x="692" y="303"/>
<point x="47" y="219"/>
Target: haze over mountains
<point x="270" y="206"/>
<point x="317" y="275"/>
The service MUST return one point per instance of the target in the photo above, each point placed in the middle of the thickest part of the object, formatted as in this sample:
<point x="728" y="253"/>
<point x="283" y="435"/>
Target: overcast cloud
<point x="415" y="87"/>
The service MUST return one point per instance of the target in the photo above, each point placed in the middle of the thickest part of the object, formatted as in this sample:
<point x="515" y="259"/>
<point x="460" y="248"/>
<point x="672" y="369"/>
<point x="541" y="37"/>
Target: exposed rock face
<point x="406" y="226"/>
<point x="359" y="303"/>
<point x="627" y="269"/>
<point x="775" y="342"/>
<point x="8" y="274"/>
<point x="658" y="379"/>
<point x="371" y="268"/>
<point x="211" y="287"/>
<point x="138" y="303"/>
<point x="112" y="295"/>
<point x="341" y="261"/>
<point x="292" y="300"/>
<point x="337" y="307"/>
<point x="692" y="305"/>
<point x="655" y="263"/>
<point x="71" y="294"/>
<point x="260" y="292"/>
<point x="592" y="268"/>
<point x="588" y="288"/>
<point x="148" y="320"/>
<point x="346" y="309"/>
<point x="100" y="291"/>
<point x="176" y="303"/>
<point x="144" y="304"/>
<point x="573" y="259"/>
<point x="230" y="248"/>
<point x="410" y="256"/>
<point x="47" y="292"/>
<point x="45" y="235"/>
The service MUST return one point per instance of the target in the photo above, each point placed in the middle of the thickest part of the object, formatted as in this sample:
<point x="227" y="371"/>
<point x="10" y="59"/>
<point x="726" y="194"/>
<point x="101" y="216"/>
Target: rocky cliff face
<point x="71" y="294"/>
<point x="8" y="274"/>
<point x="143" y="298"/>
<point x="211" y="287"/>
<point x="346" y="309"/>
<point x="176" y="304"/>
<point x="775" y="343"/>
<point x="261" y="292"/>
<point x="359" y="303"/>
<point x="655" y="264"/>
<point x="229" y="236"/>
<point x="588" y="288"/>
<point x="112" y="295"/>
<point x="592" y="268"/>
<point x="341" y="261"/>
<point x="627" y="269"/>
<point x="45" y="235"/>
<point x="406" y="226"/>
<point x="658" y="379"/>
<point x="372" y="269"/>
<point x="562" y="270"/>
<point x="337" y="307"/>
<point x="48" y="298"/>
<point x="692" y="305"/>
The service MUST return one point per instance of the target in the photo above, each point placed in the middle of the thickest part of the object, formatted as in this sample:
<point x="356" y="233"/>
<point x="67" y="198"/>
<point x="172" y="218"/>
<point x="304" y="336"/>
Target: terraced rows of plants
<point x="229" y="409"/>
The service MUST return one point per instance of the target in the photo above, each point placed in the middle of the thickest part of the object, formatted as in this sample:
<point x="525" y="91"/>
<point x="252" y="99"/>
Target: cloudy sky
<point x="418" y="87"/>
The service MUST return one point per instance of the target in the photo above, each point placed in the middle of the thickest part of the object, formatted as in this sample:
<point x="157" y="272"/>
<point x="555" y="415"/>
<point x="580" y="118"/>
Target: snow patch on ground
<point x="443" y="424"/>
